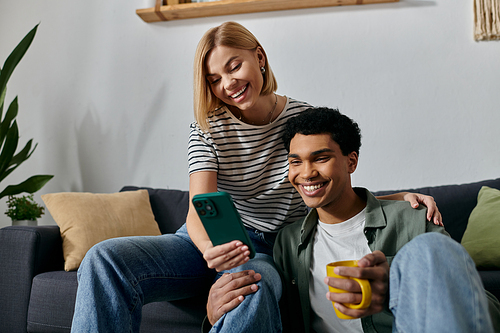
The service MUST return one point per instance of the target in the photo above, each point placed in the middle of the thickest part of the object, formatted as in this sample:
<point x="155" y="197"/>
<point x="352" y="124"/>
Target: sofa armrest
<point x="24" y="252"/>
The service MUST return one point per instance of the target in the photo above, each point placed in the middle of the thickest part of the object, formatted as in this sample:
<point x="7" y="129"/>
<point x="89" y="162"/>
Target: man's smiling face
<point x="319" y="171"/>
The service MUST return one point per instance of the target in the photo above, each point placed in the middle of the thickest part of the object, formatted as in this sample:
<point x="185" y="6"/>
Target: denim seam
<point x="475" y="295"/>
<point x="162" y="276"/>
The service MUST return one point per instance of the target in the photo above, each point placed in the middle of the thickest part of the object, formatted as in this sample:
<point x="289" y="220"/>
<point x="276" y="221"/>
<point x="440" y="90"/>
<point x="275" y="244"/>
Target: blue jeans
<point x="434" y="287"/>
<point x="118" y="276"/>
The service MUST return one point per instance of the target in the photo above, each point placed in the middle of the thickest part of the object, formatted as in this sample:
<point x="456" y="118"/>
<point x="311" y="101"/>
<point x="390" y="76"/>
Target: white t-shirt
<point x="251" y="164"/>
<point x="334" y="242"/>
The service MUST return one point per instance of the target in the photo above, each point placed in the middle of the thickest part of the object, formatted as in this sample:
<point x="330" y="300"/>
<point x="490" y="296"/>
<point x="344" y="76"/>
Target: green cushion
<point x="482" y="236"/>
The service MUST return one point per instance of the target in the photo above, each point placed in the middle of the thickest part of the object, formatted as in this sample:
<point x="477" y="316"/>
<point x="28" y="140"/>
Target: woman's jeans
<point x="118" y="276"/>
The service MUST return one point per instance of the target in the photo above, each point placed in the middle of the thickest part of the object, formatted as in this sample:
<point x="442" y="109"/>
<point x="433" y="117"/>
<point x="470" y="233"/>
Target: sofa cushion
<point x="482" y="236"/>
<point x="170" y="207"/>
<point x="52" y="302"/>
<point x="86" y="219"/>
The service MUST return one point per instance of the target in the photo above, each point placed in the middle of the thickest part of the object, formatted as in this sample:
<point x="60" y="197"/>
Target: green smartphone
<point x="221" y="219"/>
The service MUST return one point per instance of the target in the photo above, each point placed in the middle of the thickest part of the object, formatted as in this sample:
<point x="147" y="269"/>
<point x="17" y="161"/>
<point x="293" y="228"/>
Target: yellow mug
<point x="363" y="283"/>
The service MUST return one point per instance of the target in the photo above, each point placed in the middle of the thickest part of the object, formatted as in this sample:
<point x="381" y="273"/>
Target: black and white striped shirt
<point x="251" y="165"/>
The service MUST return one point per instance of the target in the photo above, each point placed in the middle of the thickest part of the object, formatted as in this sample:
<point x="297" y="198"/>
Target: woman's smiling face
<point x="234" y="75"/>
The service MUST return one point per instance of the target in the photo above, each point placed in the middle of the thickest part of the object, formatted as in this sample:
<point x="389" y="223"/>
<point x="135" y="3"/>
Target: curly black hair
<point x="343" y="130"/>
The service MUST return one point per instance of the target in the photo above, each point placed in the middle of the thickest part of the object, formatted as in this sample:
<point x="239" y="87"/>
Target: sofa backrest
<point x="455" y="202"/>
<point x="170" y="207"/>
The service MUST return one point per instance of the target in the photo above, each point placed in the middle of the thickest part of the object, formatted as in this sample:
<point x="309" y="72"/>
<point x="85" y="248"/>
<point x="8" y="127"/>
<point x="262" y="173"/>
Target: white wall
<point x="108" y="97"/>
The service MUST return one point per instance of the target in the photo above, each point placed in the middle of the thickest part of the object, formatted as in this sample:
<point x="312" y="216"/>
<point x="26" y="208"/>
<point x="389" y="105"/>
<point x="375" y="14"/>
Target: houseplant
<point x="23" y="210"/>
<point x="9" y="133"/>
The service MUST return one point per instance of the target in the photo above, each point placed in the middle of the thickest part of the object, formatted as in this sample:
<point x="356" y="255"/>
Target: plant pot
<point x="30" y="223"/>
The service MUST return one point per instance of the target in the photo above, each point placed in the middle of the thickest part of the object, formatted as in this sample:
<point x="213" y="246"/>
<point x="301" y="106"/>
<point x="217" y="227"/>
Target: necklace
<point x="264" y="121"/>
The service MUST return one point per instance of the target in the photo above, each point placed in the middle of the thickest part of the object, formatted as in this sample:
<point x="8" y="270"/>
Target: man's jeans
<point x="118" y="276"/>
<point x="434" y="287"/>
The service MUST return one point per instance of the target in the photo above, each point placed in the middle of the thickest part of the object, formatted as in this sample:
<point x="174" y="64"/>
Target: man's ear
<point x="352" y="160"/>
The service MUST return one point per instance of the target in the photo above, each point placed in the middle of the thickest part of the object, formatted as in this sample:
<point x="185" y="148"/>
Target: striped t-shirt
<point x="252" y="166"/>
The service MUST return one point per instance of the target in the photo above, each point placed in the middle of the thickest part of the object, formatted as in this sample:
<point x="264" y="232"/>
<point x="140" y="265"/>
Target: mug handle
<point x="366" y="290"/>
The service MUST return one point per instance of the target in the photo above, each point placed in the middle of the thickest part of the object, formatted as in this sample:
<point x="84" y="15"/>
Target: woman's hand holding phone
<point x="226" y="256"/>
<point x="223" y="225"/>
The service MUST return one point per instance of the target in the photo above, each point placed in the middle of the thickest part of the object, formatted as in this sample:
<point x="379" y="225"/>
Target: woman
<point x="234" y="146"/>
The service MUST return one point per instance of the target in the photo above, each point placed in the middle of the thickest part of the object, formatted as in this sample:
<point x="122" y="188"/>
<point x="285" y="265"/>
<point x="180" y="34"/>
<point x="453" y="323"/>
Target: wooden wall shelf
<point x="181" y="11"/>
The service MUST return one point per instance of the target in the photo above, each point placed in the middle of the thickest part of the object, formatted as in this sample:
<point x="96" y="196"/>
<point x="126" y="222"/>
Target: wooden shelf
<point x="228" y="7"/>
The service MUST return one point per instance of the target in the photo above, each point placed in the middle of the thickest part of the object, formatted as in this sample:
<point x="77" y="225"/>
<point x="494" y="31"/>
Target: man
<point x="432" y="284"/>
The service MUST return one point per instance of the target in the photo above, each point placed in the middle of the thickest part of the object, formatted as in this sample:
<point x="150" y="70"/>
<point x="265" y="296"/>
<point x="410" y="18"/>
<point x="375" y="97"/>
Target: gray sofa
<point x="37" y="295"/>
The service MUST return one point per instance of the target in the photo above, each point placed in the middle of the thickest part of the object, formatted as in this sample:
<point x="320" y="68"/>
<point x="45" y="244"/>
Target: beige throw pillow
<point x="86" y="219"/>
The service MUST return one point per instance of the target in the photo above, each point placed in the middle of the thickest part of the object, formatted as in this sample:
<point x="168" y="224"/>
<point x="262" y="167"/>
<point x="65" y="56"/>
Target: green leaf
<point x="7" y="173"/>
<point x="31" y="185"/>
<point x="9" y="147"/>
<point x="2" y="98"/>
<point x="19" y="158"/>
<point x="9" y="117"/>
<point x="14" y="58"/>
<point x="24" y="154"/>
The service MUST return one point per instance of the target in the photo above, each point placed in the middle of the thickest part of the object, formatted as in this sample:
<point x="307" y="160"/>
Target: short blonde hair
<point x="230" y="34"/>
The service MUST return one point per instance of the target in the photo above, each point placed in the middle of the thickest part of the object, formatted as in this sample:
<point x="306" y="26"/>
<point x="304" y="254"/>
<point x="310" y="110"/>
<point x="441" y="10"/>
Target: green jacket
<point x="389" y="225"/>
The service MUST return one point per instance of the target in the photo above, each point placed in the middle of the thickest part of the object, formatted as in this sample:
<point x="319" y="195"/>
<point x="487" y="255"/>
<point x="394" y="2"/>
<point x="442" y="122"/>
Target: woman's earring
<point x="263" y="70"/>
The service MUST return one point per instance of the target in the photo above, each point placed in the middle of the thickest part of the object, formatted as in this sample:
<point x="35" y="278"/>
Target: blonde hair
<point x="230" y="34"/>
